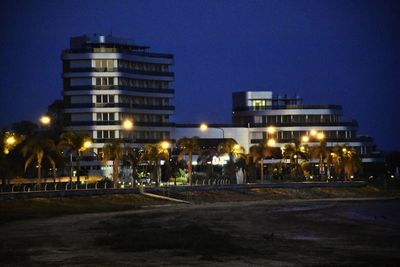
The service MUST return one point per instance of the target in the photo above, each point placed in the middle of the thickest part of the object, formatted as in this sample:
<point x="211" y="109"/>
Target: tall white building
<point x="108" y="80"/>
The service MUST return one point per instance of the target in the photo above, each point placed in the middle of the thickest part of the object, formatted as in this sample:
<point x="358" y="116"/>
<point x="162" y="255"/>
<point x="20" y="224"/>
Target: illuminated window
<point x="258" y="104"/>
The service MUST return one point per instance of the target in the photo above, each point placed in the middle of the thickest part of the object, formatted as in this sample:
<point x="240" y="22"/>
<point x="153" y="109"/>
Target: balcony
<point x="334" y="140"/>
<point x="126" y="70"/>
<point x="119" y="105"/>
<point x="263" y="108"/>
<point x="117" y="50"/>
<point x="145" y="124"/>
<point x="122" y="88"/>
<point x="353" y="123"/>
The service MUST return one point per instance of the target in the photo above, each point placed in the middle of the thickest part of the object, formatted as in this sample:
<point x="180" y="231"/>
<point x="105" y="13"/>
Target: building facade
<point x="108" y="80"/>
<point x="259" y="115"/>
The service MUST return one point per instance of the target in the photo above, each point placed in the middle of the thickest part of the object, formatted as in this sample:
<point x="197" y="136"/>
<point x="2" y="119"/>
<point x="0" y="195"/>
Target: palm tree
<point x="351" y="163"/>
<point x="259" y="153"/>
<point x="74" y="142"/>
<point x="294" y="152"/>
<point x="152" y="154"/>
<point x="133" y="156"/>
<point x="205" y="156"/>
<point x="336" y="160"/>
<point x="188" y="146"/>
<point x="113" y="151"/>
<point x="320" y="152"/>
<point x="234" y="150"/>
<point x="36" y="149"/>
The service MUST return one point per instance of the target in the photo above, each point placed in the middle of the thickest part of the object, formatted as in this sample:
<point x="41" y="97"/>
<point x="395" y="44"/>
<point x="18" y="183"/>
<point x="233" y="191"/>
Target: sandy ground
<point x="264" y="233"/>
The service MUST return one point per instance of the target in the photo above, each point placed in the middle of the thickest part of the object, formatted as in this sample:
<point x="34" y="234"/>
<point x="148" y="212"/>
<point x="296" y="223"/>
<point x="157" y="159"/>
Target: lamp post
<point x="44" y="121"/>
<point x="204" y="127"/>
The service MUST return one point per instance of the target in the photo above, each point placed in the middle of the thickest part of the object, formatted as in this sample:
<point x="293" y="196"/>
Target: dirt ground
<point x="295" y="232"/>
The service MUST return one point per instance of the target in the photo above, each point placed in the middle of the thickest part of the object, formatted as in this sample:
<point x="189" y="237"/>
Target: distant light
<point x="165" y="145"/>
<point x="87" y="144"/>
<point x="352" y="177"/>
<point x="305" y="139"/>
<point x="203" y="127"/>
<point x="271" y="130"/>
<point x="11" y="140"/>
<point x="295" y="156"/>
<point x="311" y="177"/>
<point x="313" y="132"/>
<point x="271" y="142"/>
<point x="320" y="136"/>
<point x="392" y="176"/>
<point x="236" y="147"/>
<point x="344" y="150"/>
<point x="45" y="120"/>
<point x="302" y="149"/>
<point x="127" y="124"/>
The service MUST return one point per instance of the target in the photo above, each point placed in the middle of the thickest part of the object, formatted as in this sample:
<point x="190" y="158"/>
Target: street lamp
<point x="11" y="140"/>
<point x="305" y="139"/>
<point x="165" y="145"/>
<point x="271" y="130"/>
<point x="320" y="136"/>
<point x="87" y="144"/>
<point x="204" y="127"/>
<point x="271" y="142"/>
<point x="313" y="132"/>
<point x="127" y="124"/>
<point x="44" y="120"/>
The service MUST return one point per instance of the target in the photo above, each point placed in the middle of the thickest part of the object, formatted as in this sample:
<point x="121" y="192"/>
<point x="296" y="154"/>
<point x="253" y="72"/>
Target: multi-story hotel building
<point x="107" y="80"/>
<point x="255" y="112"/>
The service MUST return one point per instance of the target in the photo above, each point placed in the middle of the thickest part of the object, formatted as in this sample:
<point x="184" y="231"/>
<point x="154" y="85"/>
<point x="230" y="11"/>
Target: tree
<point x="189" y="146"/>
<point x="351" y="162"/>
<point x="234" y="150"/>
<point x="336" y="160"/>
<point x="113" y="151"/>
<point x="74" y="142"/>
<point x="152" y="154"/>
<point x="26" y="128"/>
<point x="320" y="152"/>
<point x="294" y="152"/>
<point x="259" y="153"/>
<point x="36" y="149"/>
<point x="133" y="156"/>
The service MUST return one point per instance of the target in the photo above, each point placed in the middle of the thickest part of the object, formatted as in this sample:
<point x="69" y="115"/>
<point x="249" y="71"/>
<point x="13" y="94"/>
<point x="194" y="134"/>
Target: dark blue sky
<point x="337" y="52"/>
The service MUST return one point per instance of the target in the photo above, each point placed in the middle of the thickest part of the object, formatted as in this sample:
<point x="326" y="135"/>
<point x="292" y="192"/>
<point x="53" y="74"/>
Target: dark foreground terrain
<point x="266" y="232"/>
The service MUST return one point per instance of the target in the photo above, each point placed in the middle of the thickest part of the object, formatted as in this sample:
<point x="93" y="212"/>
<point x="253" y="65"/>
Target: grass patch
<point x="12" y="210"/>
<point x="134" y="234"/>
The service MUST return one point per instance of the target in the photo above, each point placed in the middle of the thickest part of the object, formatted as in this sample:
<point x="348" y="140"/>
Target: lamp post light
<point x="271" y="142"/>
<point x="127" y="124"/>
<point x="45" y="120"/>
<point x="204" y="127"/>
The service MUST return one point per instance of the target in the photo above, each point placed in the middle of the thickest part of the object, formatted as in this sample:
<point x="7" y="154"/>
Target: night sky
<point x="328" y="52"/>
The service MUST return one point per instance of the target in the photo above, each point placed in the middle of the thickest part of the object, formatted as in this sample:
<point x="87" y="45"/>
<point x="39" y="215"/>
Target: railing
<point x="126" y="70"/>
<point x="114" y="122"/>
<point x="117" y="50"/>
<point x="263" y="108"/>
<point x="119" y="105"/>
<point x="353" y="123"/>
<point x="119" y="87"/>
<point x="339" y="140"/>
